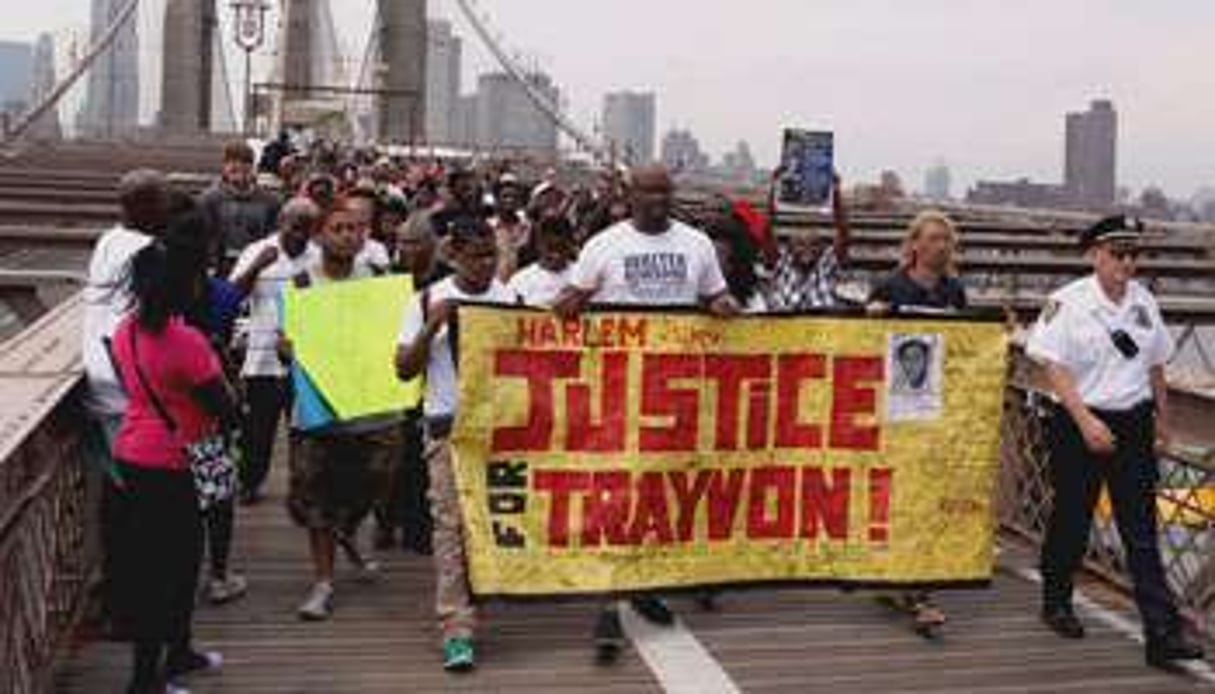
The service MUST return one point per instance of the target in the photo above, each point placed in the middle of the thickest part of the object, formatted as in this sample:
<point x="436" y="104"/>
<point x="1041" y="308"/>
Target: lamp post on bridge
<point x="249" y="31"/>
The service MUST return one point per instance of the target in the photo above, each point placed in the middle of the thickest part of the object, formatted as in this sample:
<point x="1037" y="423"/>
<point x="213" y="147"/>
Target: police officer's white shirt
<point x="1074" y="333"/>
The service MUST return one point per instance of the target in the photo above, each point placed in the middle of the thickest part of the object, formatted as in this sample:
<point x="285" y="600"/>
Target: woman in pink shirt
<point x="164" y="365"/>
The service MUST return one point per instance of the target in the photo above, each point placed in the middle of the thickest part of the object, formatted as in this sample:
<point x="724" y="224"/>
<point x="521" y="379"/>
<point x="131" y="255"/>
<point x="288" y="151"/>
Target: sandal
<point x="928" y="617"/>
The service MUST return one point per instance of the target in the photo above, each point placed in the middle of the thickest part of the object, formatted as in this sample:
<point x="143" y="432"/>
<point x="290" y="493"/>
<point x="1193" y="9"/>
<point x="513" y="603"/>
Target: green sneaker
<point x="458" y="654"/>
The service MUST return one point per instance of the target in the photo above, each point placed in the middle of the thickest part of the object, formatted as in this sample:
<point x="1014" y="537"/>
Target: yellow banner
<point x="344" y="335"/>
<point x="626" y="451"/>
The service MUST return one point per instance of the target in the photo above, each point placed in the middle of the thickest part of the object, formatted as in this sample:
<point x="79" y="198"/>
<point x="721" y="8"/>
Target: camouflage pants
<point x="453" y="600"/>
<point x="335" y="479"/>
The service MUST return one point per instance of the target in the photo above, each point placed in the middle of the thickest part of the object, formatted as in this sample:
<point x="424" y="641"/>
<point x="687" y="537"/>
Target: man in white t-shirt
<point x="365" y="202"/>
<point x="144" y="199"/>
<point x="648" y="260"/>
<point x="540" y="283"/>
<point x="371" y="254"/>
<point x="269" y="264"/>
<point x="425" y="345"/>
<point x="337" y="471"/>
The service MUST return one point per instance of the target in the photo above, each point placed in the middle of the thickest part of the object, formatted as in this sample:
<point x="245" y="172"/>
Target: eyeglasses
<point x="1126" y="253"/>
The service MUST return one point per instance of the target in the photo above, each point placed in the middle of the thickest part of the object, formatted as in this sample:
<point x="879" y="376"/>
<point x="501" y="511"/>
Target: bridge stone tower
<point x="313" y="79"/>
<point x="189" y="58"/>
<point x="402" y="70"/>
<point x="310" y="66"/>
<point x="298" y="43"/>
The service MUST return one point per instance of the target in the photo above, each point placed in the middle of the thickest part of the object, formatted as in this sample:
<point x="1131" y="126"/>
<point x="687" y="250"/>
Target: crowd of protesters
<point x="183" y="337"/>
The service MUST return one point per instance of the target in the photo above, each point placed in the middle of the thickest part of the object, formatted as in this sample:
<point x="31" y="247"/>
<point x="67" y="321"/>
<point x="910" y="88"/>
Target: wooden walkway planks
<point x="790" y="640"/>
<point x="381" y="639"/>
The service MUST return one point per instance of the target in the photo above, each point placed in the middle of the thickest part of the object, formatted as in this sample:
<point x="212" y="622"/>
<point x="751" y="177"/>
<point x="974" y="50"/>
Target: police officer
<point x="1104" y="346"/>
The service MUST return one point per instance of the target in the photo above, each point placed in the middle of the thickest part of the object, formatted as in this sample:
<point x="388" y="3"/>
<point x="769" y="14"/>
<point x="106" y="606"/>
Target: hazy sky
<point x="981" y="84"/>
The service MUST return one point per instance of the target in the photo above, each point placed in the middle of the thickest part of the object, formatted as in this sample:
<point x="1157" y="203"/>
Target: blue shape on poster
<point x="311" y="410"/>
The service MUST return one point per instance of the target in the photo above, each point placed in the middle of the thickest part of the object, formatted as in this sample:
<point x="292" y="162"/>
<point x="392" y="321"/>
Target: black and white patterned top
<point x="794" y="289"/>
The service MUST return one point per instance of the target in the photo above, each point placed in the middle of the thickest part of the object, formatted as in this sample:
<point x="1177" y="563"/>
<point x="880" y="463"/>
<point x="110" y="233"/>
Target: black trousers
<point x="157" y="545"/>
<point x="412" y="482"/>
<point x="266" y="398"/>
<point x="1130" y="474"/>
<point x="220" y="524"/>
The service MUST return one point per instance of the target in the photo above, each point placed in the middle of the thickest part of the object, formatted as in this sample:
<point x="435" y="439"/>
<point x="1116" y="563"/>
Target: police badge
<point x="1050" y="311"/>
<point x="1143" y="319"/>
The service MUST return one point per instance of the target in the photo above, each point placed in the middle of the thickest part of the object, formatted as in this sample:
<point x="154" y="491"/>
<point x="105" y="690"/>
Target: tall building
<point x="937" y="182"/>
<point x="185" y="94"/>
<point x="507" y="118"/>
<point x="444" y="63"/>
<point x="739" y="166"/>
<point x="681" y="153"/>
<point x="1019" y="193"/>
<point x="1090" y="168"/>
<point x="628" y="125"/>
<point x="16" y="69"/>
<point x="112" y="103"/>
<point x="464" y="129"/>
<point x="403" y="49"/>
<point x="42" y="83"/>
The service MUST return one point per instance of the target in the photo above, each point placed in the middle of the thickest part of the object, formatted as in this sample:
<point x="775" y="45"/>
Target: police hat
<point x="1116" y="228"/>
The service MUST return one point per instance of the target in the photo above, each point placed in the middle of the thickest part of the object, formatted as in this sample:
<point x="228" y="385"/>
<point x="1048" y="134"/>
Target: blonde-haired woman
<point x="927" y="276"/>
<point x="926" y="280"/>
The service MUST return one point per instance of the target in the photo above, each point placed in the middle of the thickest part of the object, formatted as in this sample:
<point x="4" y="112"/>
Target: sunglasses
<point x="1125" y="252"/>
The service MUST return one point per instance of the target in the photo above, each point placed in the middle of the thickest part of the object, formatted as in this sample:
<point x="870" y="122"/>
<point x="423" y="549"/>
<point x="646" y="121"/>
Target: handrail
<point x="48" y="496"/>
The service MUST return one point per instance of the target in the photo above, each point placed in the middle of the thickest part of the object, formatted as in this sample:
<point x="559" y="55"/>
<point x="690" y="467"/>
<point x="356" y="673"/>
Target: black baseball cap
<point x="1118" y="228"/>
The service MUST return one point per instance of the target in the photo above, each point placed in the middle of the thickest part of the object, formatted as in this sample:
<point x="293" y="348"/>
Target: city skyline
<point x="955" y="82"/>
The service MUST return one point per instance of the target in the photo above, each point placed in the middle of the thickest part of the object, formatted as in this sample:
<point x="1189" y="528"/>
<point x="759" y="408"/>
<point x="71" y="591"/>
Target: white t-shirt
<point x="1074" y="331"/>
<point x="441" y="394"/>
<point x="622" y="265"/>
<point x="372" y="253"/>
<point x="375" y="253"/>
<point x="106" y="302"/>
<point x="265" y="319"/>
<point x="538" y="287"/>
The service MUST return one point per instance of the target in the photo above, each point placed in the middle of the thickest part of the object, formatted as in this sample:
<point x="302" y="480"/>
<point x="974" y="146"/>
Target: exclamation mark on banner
<point x="879" y="505"/>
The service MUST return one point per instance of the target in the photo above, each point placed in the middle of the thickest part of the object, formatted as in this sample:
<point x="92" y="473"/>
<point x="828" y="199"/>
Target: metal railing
<point x="47" y="546"/>
<point x="48" y="498"/>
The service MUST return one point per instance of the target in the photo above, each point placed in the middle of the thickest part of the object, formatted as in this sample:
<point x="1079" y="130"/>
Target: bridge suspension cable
<point x="52" y="98"/>
<point x="517" y="73"/>
<point x="364" y="77"/>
